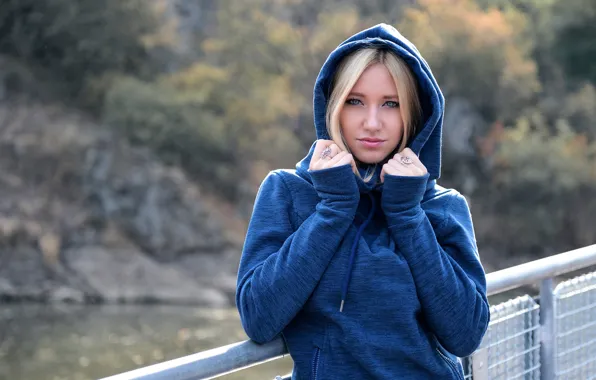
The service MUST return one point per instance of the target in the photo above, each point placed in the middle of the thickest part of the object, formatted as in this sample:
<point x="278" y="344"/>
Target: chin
<point x="370" y="159"/>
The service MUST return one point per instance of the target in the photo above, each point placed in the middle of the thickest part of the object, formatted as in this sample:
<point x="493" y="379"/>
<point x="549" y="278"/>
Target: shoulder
<point x="446" y="204"/>
<point x="285" y="191"/>
<point x="280" y="180"/>
<point x="443" y="196"/>
<point x="273" y="185"/>
<point x="287" y="184"/>
<point x="273" y="198"/>
<point x="297" y="184"/>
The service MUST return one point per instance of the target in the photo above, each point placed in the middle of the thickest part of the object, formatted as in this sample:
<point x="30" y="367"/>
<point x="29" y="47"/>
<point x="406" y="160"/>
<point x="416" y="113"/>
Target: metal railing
<point x="553" y="337"/>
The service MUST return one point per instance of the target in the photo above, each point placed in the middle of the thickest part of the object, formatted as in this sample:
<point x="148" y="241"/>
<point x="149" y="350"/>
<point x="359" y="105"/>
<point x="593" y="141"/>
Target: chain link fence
<point x="575" y="321"/>
<point x="511" y="347"/>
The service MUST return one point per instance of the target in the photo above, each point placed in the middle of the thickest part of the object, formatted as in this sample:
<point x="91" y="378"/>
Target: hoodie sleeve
<point x="281" y="266"/>
<point x="445" y="265"/>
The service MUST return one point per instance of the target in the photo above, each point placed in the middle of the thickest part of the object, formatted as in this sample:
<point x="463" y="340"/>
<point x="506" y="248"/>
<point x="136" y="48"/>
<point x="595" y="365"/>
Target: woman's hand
<point x="328" y="155"/>
<point x="404" y="164"/>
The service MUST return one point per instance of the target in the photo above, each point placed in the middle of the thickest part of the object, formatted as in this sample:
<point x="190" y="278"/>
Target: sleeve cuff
<point x="402" y="193"/>
<point x="335" y="181"/>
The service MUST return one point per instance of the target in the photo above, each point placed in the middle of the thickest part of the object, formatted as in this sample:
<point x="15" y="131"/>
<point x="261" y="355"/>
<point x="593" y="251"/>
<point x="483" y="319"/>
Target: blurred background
<point x="134" y="135"/>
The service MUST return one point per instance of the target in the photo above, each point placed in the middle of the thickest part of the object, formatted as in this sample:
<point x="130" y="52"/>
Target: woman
<point x="364" y="265"/>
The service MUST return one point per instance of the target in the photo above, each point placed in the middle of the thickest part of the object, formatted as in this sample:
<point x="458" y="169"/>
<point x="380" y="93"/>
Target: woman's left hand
<point x="405" y="164"/>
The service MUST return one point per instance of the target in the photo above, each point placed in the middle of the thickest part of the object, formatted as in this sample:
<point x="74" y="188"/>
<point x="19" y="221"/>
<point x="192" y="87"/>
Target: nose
<point x="372" y="121"/>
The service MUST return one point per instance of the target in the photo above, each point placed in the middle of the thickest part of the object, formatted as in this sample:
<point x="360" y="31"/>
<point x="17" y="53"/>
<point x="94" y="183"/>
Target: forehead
<point x="375" y="79"/>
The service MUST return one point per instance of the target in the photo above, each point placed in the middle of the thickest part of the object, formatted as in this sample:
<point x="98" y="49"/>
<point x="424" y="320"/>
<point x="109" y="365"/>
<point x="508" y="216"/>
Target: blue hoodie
<point x="365" y="280"/>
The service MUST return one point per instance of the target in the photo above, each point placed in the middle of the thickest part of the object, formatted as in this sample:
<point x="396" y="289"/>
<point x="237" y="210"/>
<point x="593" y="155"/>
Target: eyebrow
<point x="384" y="97"/>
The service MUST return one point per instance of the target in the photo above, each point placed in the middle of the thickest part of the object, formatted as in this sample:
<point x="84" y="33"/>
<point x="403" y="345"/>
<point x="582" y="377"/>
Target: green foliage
<point x="577" y="108"/>
<point x="564" y="159"/>
<point x="180" y="129"/>
<point x="540" y="188"/>
<point x="580" y="110"/>
<point x="563" y="35"/>
<point x="475" y="54"/>
<point x="257" y="73"/>
<point x="78" y="40"/>
<point x="575" y="31"/>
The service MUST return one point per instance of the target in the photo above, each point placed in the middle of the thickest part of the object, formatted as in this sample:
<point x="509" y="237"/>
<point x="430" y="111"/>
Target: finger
<point x="331" y="162"/>
<point x="399" y="158"/>
<point x="320" y="147"/>
<point x="407" y="152"/>
<point x="334" y="150"/>
<point x="345" y="160"/>
<point x="341" y="159"/>
<point x="329" y="152"/>
<point x="387" y="170"/>
<point x="395" y="164"/>
<point x="315" y="160"/>
<point x="353" y="163"/>
<point x="415" y="168"/>
<point x="406" y="170"/>
<point x="400" y="169"/>
<point x="391" y="168"/>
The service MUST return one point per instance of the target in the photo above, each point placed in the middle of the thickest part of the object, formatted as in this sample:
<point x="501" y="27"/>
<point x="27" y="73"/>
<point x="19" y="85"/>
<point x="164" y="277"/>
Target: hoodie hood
<point x="427" y="140"/>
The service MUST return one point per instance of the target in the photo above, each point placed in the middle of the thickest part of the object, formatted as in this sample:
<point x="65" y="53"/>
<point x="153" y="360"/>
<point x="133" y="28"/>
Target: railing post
<point x="480" y="364"/>
<point x="548" y="330"/>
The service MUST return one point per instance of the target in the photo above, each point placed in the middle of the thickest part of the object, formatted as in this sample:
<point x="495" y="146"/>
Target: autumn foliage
<point x="232" y="99"/>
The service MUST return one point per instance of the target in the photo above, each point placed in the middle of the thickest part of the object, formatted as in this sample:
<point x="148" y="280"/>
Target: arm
<point x="280" y="267"/>
<point x="447" y="272"/>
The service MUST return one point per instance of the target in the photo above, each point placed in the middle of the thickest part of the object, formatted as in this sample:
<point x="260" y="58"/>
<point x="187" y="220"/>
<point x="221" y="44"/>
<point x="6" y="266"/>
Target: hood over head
<point x="426" y="142"/>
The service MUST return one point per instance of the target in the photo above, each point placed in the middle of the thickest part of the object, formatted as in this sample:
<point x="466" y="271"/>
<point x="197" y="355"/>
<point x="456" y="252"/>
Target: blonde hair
<point x="346" y="76"/>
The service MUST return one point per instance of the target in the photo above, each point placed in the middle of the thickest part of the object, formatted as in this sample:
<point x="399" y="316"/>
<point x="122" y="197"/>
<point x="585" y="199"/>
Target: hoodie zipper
<point x="453" y="366"/>
<point x="315" y="363"/>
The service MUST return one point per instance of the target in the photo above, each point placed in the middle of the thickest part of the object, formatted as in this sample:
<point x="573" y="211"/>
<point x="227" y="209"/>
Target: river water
<point x="74" y="342"/>
<point x="87" y="342"/>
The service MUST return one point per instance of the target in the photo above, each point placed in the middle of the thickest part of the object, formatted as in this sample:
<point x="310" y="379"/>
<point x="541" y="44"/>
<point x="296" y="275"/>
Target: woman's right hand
<point x="328" y="155"/>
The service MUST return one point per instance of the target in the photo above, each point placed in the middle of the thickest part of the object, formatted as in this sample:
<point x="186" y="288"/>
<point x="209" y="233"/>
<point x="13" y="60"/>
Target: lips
<point x="371" y="142"/>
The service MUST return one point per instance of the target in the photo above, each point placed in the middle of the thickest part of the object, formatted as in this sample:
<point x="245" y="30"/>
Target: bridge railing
<point x="551" y="337"/>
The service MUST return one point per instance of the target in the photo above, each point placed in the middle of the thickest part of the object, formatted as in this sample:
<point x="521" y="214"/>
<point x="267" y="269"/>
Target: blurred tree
<point x="79" y="40"/>
<point x="184" y="131"/>
<point x="239" y="101"/>
<point x="271" y="64"/>
<point x="478" y="55"/>
<point x="261" y="55"/>
<point x="562" y="33"/>
<point x="574" y="27"/>
<point x="541" y="188"/>
<point x="577" y="107"/>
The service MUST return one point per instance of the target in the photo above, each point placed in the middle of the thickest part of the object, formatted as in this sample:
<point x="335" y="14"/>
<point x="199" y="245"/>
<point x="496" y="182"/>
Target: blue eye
<point x="353" y="101"/>
<point x="392" y="104"/>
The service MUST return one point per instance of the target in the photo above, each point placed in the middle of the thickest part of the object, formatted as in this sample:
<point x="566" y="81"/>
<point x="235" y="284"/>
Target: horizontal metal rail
<point x="535" y="271"/>
<point x="209" y="364"/>
<point x="223" y="360"/>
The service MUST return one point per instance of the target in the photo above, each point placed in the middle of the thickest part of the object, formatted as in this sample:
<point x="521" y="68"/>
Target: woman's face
<point x="370" y="118"/>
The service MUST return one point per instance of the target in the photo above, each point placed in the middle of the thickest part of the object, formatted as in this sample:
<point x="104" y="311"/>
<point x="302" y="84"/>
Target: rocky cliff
<point x="86" y="216"/>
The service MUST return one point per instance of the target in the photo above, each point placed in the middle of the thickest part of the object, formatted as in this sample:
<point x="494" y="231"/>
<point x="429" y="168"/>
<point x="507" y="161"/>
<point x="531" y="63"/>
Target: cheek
<point x="348" y="121"/>
<point x="398" y="125"/>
